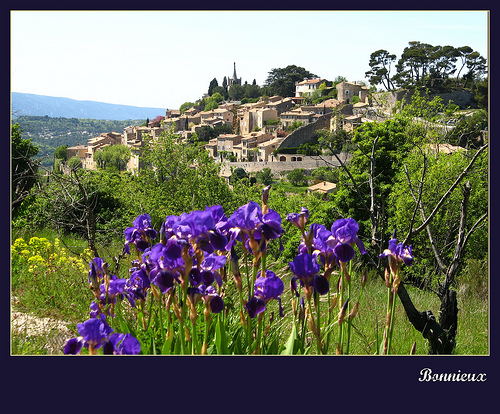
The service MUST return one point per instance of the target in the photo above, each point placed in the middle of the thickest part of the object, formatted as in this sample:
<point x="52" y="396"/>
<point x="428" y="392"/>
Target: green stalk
<point x="259" y="332"/>
<point x="194" y="345"/>
<point x="162" y="329"/>
<point x="182" y="335"/>
<point x="341" y="303"/>
<point x="318" y="326"/>
<point x="349" y="309"/>
<point x="393" y="309"/>
<point x="388" y="323"/>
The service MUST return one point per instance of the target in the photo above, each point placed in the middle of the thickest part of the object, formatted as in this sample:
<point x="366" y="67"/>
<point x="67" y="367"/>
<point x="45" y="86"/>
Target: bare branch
<point x="450" y="190"/>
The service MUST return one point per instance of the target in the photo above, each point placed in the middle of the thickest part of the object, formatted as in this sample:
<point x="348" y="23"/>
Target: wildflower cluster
<point x="397" y="254"/>
<point x="39" y="254"/>
<point x="321" y="254"/>
<point x="178" y="282"/>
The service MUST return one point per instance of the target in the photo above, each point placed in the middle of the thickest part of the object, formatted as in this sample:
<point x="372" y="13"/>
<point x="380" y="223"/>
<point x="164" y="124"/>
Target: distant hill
<point x="28" y="104"/>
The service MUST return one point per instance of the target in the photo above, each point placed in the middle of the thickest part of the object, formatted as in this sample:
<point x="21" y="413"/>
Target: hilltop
<point x="28" y="104"/>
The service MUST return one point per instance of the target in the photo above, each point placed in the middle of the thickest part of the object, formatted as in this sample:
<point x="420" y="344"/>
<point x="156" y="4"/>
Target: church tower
<point x="233" y="80"/>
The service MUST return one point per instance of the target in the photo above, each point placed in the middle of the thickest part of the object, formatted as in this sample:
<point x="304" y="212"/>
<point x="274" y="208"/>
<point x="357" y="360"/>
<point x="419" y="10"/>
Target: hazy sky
<point x="165" y="58"/>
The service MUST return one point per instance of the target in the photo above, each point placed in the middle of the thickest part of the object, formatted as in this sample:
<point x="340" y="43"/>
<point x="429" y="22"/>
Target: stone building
<point x="346" y="91"/>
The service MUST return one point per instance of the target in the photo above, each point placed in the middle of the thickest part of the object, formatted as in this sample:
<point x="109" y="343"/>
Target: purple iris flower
<point x="163" y="278"/>
<point x="211" y="264"/>
<point x="201" y="227"/>
<point x="398" y="252"/>
<point x="136" y="286"/>
<point x="344" y="235"/>
<point x="266" y="288"/>
<point x="139" y="234"/>
<point x="93" y="333"/>
<point x="299" y="219"/>
<point x="96" y="333"/>
<point x="122" y="344"/>
<point x="96" y="271"/>
<point x="248" y="223"/>
<point x="306" y="270"/>
<point x="209" y="296"/>
<point x="167" y="256"/>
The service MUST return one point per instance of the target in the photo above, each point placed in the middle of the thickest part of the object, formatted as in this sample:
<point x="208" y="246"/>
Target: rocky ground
<point x="53" y="333"/>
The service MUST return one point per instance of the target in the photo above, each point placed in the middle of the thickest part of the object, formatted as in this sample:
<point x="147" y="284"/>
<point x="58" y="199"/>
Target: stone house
<point x="289" y="117"/>
<point x="280" y="104"/>
<point x="324" y="187"/>
<point x="255" y="118"/>
<point x="346" y="91"/>
<point x="226" y="142"/>
<point x="215" y="114"/>
<point x="266" y="149"/>
<point x="79" y="151"/>
<point x="249" y="145"/>
<point x="307" y="86"/>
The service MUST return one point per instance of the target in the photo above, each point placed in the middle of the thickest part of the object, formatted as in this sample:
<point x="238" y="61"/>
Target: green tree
<point x="178" y="177"/>
<point x="380" y="72"/>
<point x="113" y="158"/>
<point x="60" y="153"/>
<point x="281" y="81"/>
<point x="236" y="92"/>
<point x="413" y="65"/>
<point x="23" y="168"/>
<point x="213" y="84"/>
<point x="238" y="174"/>
<point x="75" y="163"/>
<point x="481" y="94"/>
<point x="265" y="176"/>
<point x="211" y="104"/>
<point x="296" y="176"/>
<point x="221" y="91"/>
<point x="325" y="174"/>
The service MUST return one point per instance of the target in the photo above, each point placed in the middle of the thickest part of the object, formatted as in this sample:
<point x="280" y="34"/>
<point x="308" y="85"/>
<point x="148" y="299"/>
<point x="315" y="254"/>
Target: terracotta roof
<point x="308" y="81"/>
<point x="322" y="187"/>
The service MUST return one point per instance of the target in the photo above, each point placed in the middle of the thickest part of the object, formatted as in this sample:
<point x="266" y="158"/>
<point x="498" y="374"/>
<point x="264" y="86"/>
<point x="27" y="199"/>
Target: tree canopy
<point x="422" y="64"/>
<point x="281" y="81"/>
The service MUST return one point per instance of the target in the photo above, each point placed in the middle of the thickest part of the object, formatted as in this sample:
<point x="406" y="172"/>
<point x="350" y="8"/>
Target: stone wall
<point x="305" y="133"/>
<point x="308" y="163"/>
<point x="462" y="98"/>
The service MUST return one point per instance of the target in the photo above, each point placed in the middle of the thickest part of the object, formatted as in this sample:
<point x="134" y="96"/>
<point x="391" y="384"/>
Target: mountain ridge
<point x="40" y="105"/>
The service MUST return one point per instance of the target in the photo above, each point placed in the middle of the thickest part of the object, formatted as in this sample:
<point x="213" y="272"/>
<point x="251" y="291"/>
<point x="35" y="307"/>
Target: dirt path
<point x="53" y="332"/>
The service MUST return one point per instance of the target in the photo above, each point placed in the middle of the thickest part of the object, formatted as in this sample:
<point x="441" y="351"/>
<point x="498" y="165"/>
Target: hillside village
<point x="260" y="129"/>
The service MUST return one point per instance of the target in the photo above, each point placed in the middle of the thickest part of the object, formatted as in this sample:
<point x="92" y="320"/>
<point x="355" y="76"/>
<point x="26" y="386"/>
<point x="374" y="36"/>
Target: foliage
<point x="294" y="126"/>
<point x="265" y="176"/>
<point x="326" y="174"/>
<point x="177" y="177"/>
<point x="46" y="277"/>
<point x="380" y="64"/>
<point x="441" y="171"/>
<point x="60" y="152"/>
<point x="23" y="168"/>
<point x="422" y="64"/>
<point x="75" y="163"/>
<point x="113" y="158"/>
<point x="468" y="130"/>
<point x="238" y="174"/>
<point x="207" y="132"/>
<point x="236" y="92"/>
<point x="296" y="176"/>
<point x="281" y="81"/>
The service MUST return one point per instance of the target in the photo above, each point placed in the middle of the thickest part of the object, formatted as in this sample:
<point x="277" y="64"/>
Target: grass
<point x="62" y="292"/>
